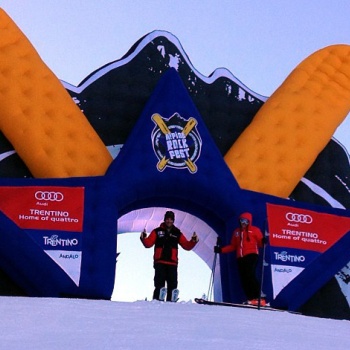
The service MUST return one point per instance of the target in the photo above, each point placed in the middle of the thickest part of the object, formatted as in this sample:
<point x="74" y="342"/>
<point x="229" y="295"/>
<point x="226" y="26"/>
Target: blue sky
<point x="260" y="42"/>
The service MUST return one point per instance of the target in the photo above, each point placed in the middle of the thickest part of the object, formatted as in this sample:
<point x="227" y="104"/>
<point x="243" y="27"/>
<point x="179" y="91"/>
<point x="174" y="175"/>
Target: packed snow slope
<point x="47" y="323"/>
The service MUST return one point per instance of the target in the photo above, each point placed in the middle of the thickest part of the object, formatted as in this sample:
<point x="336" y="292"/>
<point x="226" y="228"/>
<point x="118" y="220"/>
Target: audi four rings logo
<point x="49" y="196"/>
<point x="302" y="218"/>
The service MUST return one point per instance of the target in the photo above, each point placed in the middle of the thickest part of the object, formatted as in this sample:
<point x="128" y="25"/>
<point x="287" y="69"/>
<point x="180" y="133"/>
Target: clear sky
<point x="260" y="42"/>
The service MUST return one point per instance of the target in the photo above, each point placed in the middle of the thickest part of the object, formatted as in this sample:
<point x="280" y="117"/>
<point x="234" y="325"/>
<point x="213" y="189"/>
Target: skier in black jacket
<point x="165" y="240"/>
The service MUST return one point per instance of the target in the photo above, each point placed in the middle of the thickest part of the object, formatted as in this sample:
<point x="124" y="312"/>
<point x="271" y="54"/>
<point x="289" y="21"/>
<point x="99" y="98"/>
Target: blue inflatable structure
<point x="168" y="160"/>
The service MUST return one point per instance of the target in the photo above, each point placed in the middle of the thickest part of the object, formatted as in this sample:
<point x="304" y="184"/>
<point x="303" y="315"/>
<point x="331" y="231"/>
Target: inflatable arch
<point x="58" y="231"/>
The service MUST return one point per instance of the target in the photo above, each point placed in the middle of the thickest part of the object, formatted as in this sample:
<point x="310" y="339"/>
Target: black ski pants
<point x="247" y="273"/>
<point x="164" y="273"/>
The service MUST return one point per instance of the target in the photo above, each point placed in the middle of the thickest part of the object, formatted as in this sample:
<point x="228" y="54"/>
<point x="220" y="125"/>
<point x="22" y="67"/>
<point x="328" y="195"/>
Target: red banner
<point x="44" y="207"/>
<point x="304" y="229"/>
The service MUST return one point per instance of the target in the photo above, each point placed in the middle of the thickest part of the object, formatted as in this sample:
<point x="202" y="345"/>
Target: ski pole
<point x="262" y="267"/>
<point x="211" y="282"/>
<point x="212" y="277"/>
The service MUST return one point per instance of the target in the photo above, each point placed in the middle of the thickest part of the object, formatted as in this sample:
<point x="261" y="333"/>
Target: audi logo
<point x="49" y="196"/>
<point x="301" y="218"/>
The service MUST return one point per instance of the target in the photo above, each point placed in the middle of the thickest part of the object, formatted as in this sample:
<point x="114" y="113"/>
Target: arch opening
<point x="195" y="267"/>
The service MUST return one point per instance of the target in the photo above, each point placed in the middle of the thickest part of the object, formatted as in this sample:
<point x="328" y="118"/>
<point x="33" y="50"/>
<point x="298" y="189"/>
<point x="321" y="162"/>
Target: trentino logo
<point x="284" y="256"/>
<point x="55" y="241"/>
<point x="176" y="142"/>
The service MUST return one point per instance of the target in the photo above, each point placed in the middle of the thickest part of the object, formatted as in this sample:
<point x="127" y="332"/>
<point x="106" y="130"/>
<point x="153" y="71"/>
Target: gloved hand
<point x="194" y="237"/>
<point x="265" y="240"/>
<point x="217" y="249"/>
<point x="143" y="235"/>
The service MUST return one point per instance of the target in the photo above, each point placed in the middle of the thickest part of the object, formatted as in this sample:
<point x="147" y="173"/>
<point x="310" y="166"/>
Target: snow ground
<point x="47" y="323"/>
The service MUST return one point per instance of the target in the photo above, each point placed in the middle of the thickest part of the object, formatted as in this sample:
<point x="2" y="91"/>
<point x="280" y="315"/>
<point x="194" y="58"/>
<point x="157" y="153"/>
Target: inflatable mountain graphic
<point x="113" y="97"/>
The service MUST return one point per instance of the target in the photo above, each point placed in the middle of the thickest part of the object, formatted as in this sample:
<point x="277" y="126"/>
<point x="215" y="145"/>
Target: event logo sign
<point x="176" y="142"/>
<point x="50" y="208"/>
<point x="297" y="236"/>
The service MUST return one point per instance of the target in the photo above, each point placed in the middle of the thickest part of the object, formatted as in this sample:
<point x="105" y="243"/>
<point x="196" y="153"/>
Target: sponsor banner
<point x="295" y="257"/>
<point x="59" y="241"/>
<point x="69" y="261"/>
<point x="282" y="275"/>
<point x="297" y="236"/>
<point x="44" y="207"/>
<point x="286" y="264"/>
<point x="304" y="229"/>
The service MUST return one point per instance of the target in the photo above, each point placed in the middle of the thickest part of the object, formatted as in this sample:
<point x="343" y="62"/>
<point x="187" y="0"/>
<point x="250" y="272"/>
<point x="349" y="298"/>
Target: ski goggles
<point x="244" y="221"/>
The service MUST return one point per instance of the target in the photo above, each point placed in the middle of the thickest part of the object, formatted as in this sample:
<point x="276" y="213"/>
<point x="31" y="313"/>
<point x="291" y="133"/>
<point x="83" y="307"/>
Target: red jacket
<point x="166" y="244"/>
<point x="246" y="241"/>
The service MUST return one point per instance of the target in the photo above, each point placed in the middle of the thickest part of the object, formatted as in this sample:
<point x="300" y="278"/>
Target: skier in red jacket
<point x="246" y="241"/>
<point x="166" y="239"/>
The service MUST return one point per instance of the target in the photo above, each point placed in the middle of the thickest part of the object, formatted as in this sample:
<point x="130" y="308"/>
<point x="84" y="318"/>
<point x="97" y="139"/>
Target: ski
<point x="175" y="295"/>
<point x="162" y="293"/>
<point x="244" y="306"/>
